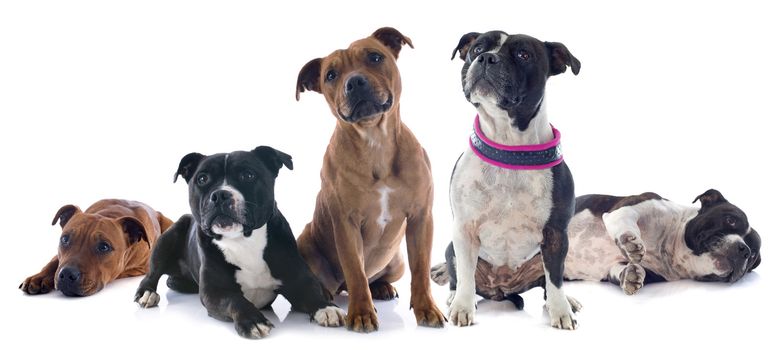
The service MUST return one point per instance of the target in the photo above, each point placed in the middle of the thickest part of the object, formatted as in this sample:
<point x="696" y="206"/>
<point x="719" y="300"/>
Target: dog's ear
<point x="273" y="158"/>
<point x="710" y="198"/>
<point x="393" y="39"/>
<point x="133" y="229"/>
<point x="309" y="77"/>
<point x="187" y="166"/>
<point x="65" y="214"/>
<point x="559" y="58"/>
<point x="464" y="45"/>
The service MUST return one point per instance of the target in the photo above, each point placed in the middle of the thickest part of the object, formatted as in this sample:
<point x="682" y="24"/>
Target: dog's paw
<point x="632" y="278"/>
<point x="450" y="299"/>
<point x="632" y="247"/>
<point x="254" y="327"/>
<point x="429" y="316"/>
<point x="147" y="299"/>
<point x="382" y="290"/>
<point x="461" y="312"/>
<point x="576" y="306"/>
<point x="330" y="316"/>
<point x="363" y="320"/>
<point x="561" y="315"/>
<point x="38" y="284"/>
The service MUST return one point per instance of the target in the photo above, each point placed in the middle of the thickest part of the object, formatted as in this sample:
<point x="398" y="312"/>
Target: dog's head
<point x="232" y="194"/>
<point x="721" y="230"/>
<point x="92" y="249"/>
<point x="361" y="84"/>
<point x="508" y="73"/>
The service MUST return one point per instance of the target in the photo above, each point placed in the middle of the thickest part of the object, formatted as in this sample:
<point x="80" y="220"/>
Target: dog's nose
<point x="69" y="275"/>
<point x="488" y="58"/>
<point x="220" y="196"/>
<point x="742" y="251"/>
<point x="356" y="82"/>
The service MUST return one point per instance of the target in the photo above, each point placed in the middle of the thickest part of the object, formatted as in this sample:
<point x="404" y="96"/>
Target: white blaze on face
<point x="238" y="207"/>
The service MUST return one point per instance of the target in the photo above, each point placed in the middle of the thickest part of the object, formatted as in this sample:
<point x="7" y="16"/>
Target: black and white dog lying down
<point x="634" y="240"/>
<point x="236" y="249"/>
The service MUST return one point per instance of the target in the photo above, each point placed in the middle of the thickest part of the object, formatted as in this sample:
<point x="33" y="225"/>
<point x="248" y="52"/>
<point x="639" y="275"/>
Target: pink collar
<point x="521" y="157"/>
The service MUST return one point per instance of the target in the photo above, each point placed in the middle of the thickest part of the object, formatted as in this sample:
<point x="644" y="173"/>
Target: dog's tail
<point x="440" y="274"/>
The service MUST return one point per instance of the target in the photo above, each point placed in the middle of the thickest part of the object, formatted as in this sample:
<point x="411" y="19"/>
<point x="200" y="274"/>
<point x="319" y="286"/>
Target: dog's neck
<point x="371" y="147"/>
<point x="497" y="125"/>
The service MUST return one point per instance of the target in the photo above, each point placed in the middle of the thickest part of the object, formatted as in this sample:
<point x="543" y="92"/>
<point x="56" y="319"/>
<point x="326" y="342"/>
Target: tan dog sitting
<point x="376" y="184"/>
<point x="98" y="246"/>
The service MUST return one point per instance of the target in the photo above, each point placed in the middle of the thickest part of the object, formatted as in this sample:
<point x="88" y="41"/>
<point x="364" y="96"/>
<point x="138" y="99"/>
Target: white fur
<point x="330" y="316"/>
<point x="149" y="299"/>
<point x="254" y="276"/>
<point x="383" y="201"/>
<point x="259" y="331"/>
<point x="559" y="306"/>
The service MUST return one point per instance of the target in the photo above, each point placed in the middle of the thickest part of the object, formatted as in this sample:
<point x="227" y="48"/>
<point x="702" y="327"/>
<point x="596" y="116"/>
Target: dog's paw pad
<point x="632" y="278"/>
<point x="632" y="247"/>
<point x="330" y="316"/>
<point x="149" y="299"/>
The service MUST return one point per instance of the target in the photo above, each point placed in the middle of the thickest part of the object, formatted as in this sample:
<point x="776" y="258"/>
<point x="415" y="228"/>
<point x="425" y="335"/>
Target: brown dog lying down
<point x="98" y="246"/>
<point x="634" y="240"/>
<point x="376" y="184"/>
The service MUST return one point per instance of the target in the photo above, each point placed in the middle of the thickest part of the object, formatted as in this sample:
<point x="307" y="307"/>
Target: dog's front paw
<point x="632" y="247"/>
<point x="362" y="319"/>
<point x="561" y="315"/>
<point x="255" y="326"/>
<point x="330" y="316"/>
<point x="429" y="315"/>
<point x="461" y="312"/>
<point x="147" y="298"/>
<point x="382" y="290"/>
<point x="40" y="283"/>
<point x="632" y="278"/>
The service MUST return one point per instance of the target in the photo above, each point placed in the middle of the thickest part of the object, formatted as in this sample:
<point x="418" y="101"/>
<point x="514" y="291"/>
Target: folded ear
<point x="309" y="77"/>
<point x="710" y="198"/>
<point x="188" y="165"/>
<point x="464" y="45"/>
<point x="273" y="158"/>
<point x="65" y="214"/>
<point x="134" y="230"/>
<point x="559" y="58"/>
<point x="392" y="39"/>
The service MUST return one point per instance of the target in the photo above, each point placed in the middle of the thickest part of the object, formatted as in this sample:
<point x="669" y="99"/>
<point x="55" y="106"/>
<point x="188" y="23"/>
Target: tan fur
<point x="347" y="243"/>
<point x="102" y="221"/>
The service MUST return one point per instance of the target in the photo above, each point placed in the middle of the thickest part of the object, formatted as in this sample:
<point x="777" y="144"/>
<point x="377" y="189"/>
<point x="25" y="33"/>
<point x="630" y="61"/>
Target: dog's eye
<point x="202" y="179"/>
<point x="478" y="49"/>
<point x="104" y="247"/>
<point x="375" y="57"/>
<point x="247" y="176"/>
<point x="730" y="220"/>
<point x="64" y="240"/>
<point x="523" y="55"/>
<point x="331" y="75"/>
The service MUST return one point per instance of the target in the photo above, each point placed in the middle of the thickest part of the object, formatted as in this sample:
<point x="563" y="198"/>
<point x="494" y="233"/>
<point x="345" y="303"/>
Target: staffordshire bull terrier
<point x="236" y="249"/>
<point x="98" y="246"/>
<point x="635" y="240"/>
<point x="511" y="193"/>
<point x="376" y="184"/>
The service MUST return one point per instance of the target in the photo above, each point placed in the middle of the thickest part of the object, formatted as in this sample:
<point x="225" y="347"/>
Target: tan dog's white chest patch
<point x="384" y="217"/>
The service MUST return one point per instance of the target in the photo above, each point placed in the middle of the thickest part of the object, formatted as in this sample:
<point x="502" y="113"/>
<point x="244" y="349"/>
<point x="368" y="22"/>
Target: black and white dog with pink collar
<point x="512" y="196"/>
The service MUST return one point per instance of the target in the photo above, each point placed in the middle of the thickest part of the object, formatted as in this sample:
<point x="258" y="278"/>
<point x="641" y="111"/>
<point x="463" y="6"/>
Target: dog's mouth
<point x="367" y="109"/>
<point x="222" y="225"/>
<point x="483" y="88"/>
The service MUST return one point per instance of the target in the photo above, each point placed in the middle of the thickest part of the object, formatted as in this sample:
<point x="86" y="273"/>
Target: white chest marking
<point x="507" y="209"/>
<point x="384" y="217"/>
<point x="253" y="275"/>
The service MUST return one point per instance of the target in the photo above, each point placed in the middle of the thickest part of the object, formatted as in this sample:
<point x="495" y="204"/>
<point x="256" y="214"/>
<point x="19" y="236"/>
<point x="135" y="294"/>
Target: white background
<point x="101" y="99"/>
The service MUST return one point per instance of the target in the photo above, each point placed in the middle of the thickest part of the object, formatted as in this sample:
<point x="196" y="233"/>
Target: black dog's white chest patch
<point x="253" y="275"/>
